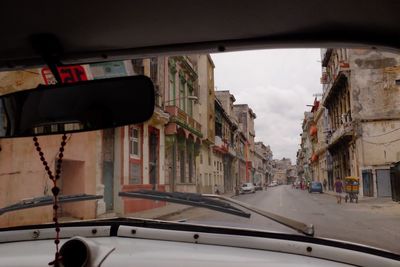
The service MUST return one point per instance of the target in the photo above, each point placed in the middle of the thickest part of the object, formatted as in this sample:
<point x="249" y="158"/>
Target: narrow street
<point x="370" y="222"/>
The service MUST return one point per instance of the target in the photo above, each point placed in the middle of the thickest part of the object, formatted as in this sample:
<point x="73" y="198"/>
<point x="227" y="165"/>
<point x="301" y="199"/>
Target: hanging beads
<point x="55" y="190"/>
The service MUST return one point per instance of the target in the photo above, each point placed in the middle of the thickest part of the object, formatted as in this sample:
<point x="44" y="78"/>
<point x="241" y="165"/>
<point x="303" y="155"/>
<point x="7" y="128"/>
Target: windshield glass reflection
<point x="311" y="135"/>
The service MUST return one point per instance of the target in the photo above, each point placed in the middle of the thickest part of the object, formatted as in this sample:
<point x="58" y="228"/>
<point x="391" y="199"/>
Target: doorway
<point x="72" y="182"/>
<point x="383" y="183"/>
<point x="108" y="168"/>
<point x="368" y="189"/>
<point x="153" y="156"/>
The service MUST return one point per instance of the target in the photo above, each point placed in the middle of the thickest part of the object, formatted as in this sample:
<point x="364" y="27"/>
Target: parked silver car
<point x="247" y="188"/>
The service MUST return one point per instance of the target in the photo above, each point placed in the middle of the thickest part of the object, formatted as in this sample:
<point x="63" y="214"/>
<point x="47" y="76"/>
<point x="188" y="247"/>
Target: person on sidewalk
<point x="216" y="189"/>
<point x="339" y="190"/>
<point x="325" y="183"/>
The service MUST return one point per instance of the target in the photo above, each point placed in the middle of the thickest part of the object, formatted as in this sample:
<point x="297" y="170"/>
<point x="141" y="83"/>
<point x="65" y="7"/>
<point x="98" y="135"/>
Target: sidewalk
<point x="384" y="204"/>
<point x="168" y="210"/>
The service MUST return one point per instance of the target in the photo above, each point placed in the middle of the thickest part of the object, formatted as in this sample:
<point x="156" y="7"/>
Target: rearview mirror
<point x="83" y="106"/>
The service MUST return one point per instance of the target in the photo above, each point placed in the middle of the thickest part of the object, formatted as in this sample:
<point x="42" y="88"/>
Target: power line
<point x="383" y="133"/>
<point x="383" y="143"/>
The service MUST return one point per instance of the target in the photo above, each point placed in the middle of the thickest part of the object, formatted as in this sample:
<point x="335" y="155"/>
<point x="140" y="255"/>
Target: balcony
<point x="326" y="56"/>
<point x="339" y="81"/>
<point x="180" y="117"/>
<point x="343" y="133"/>
<point x="220" y="145"/>
<point x="232" y="151"/>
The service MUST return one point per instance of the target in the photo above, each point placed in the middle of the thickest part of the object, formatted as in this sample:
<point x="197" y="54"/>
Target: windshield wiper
<point x="298" y="226"/>
<point x="45" y="201"/>
<point x="208" y="201"/>
<point x="191" y="199"/>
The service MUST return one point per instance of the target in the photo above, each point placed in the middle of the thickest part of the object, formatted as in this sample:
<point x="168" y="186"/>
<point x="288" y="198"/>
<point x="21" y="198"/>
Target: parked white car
<point x="247" y="188"/>
<point x="272" y="184"/>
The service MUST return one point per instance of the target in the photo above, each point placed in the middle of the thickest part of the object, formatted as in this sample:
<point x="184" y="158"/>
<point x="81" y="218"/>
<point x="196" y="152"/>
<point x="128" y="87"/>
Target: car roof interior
<point x="102" y="30"/>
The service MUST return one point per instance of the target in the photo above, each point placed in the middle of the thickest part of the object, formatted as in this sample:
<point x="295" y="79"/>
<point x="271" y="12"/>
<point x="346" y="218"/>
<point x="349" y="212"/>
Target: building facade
<point x="183" y="131"/>
<point x="282" y="170"/>
<point x="263" y="164"/>
<point x="82" y="166"/>
<point x="225" y="130"/>
<point x="362" y="98"/>
<point x="206" y="169"/>
<point x="246" y="117"/>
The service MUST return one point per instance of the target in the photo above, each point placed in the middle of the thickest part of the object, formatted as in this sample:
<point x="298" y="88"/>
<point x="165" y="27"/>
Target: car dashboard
<point x="156" y="243"/>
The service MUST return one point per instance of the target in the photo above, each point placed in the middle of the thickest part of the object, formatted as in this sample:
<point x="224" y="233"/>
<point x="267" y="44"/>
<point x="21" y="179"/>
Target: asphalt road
<point x="368" y="222"/>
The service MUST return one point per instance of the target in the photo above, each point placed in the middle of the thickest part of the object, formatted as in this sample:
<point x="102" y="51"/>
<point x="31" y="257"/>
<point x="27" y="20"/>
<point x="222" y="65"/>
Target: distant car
<point x="315" y="187"/>
<point x="247" y="188"/>
<point x="272" y="184"/>
<point x="258" y="187"/>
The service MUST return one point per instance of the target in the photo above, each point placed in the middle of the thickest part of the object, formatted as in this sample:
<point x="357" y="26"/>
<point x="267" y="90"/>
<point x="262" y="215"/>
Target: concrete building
<point x="205" y="161"/>
<point x="291" y="174"/>
<point x="246" y="117"/>
<point x="237" y="140"/>
<point x="306" y="149"/>
<point x="224" y="146"/>
<point x="82" y="167"/>
<point x="317" y="133"/>
<point x="139" y="150"/>
<point x="361" y="94"/>
<point x="263" y="164"/>
<point x="280" y="170"/>
<point x="183" y="131"/>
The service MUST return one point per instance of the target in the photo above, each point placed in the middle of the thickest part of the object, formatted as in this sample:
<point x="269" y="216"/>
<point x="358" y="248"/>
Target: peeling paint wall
<point x="376" y="105"/>
<point x="374" y="93"/>
<point x="375" y="100"/>
<point x="22" y="174"/>
<point x="381" y="142"/>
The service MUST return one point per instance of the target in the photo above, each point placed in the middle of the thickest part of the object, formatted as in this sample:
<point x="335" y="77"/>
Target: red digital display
<point x="68" y="74"/>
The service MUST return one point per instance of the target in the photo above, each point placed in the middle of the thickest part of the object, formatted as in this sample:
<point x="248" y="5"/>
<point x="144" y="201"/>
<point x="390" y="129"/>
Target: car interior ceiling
<point x="147" y="28"/>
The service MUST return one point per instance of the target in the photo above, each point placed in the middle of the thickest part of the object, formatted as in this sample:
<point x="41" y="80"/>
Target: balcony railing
<point x="181" y="116"/>
<point x="326" y="56"/>
<point x="344" y="130"/>
<point x="232" y="150"/>
<point x="338" y="80"/>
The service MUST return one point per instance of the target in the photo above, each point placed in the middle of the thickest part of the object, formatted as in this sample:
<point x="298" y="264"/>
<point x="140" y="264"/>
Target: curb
<point x="172" y="213"/>
<point x="175" y="212"/>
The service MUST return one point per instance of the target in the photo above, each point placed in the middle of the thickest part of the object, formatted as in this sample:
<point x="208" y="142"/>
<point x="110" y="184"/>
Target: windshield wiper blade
<point x="47" y="200"/>
<point x="293" y="224"/>
<point x="209" y="201"/>
<point x="191" y="199"/>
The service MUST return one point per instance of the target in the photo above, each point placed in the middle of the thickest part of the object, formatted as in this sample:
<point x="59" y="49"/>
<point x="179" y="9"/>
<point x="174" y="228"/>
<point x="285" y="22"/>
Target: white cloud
<point x="277" y="85"/>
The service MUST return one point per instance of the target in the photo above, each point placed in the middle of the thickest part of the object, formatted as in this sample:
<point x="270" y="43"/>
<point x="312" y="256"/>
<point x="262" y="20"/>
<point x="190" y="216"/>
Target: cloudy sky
<point x="277" y="85"/>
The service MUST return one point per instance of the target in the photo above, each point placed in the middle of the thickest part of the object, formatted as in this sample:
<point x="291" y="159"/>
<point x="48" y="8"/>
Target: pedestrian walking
<point x="325" y="183"/>
<point x="237" y="190"/>
<point x="216" y="189"/>
<point x="339" y="190"/>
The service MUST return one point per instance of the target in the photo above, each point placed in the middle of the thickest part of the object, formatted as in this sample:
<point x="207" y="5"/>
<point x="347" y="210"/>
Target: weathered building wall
<point x="280" y="176"/>
<point x="206" y="169"/>
<point x="375" y="99"/>
<point x="374" y="93"/>
<point x="376" y="105"/>
<point x="206" y="115"/>
<point x="22" y="174"/>
<point x="380" y="143"/>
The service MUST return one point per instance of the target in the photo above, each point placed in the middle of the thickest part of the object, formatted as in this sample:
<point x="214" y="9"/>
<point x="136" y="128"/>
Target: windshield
<point x="311" y="134"/>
